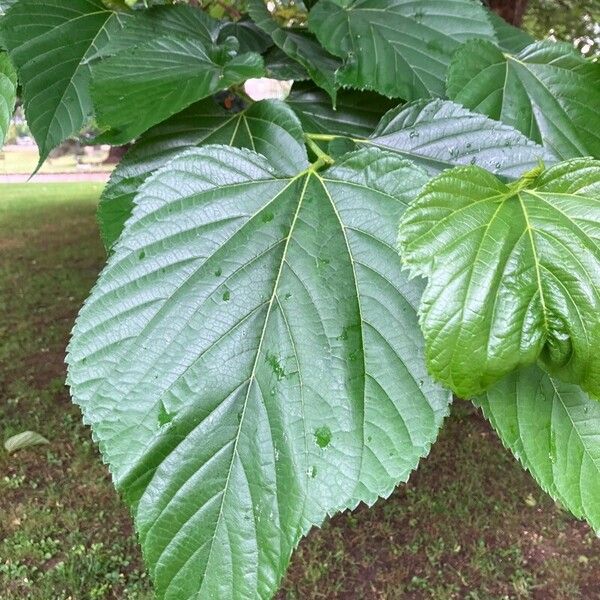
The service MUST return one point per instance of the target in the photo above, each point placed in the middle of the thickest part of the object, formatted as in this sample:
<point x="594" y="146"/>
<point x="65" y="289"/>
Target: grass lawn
<point x="25" y="161"/>
<point x="470" y="524"/>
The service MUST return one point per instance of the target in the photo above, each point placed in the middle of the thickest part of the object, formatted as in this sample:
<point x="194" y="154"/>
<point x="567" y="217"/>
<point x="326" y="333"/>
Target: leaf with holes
<point x="553" y="428"/>
<point x="513" y="274"/>
<point x="250" y="361"/>
<point x="399" y="48"/>
<point x="548" y="91"/>
<point x="268" y="127"/>
<point x="140" y="87"/>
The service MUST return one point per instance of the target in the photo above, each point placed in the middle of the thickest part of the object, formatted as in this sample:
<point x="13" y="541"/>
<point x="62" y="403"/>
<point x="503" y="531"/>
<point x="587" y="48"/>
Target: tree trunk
<point x="115" y="154"/>
<point x="511" y="11"/>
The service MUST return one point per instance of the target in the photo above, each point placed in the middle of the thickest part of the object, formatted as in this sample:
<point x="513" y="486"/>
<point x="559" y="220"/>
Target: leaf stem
<point x="323" y="159"/>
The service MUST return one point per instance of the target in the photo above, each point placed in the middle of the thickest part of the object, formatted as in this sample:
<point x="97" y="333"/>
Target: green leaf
<point x="279" y="65"/>
<point x="399" y="48"/>
<point x="510" y="38"/>
<point x="251" y="37"/>
<point x="8" y="94"/>
<point x="140" y="87"/>
<point x="553" y="428"/>
<point x="268" y="127"/>
<point x="513" y="274"/>
<point x="356" y="114"/>
<point x="250" y="361"/>
<point x="439" y="135"/>
<point x="55" y="75"/>
<point x="24" y="440"/>
<point x="301" y="46"/>
<point x="179" y="20"/>
<point x="548" y="91"/>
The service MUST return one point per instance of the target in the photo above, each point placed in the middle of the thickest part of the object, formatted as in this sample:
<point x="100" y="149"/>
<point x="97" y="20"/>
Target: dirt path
<point x="55" y="177"/>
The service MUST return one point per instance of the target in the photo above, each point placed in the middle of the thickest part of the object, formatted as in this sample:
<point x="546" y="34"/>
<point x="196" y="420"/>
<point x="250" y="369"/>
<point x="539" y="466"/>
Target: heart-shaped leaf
<point x="513" y="274"/>
<point x="250" y="361"/>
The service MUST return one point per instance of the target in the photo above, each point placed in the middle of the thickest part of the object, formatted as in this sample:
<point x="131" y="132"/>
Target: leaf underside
<point x="250" y="361"/>
<point x="512" y="274"/>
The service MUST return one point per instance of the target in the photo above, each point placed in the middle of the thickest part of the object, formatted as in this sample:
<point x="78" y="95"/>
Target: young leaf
<point x="140" y="87"/>
<point x="250" y="361"/>
<point x="549" y="91"/>
<point x="553" y="428"/>
<point x="268" y="127"/>
<point x="26" y="439"/>
<point x="301" y="46"/>
<point x="8" y="94"/>
<point x="356" y="113"/>
<point x="399" y="48"/>
<point x="513" y="274"/>
<point x="510" y="38"/>
<point x="54" y="74"/>
<point x="439" y="135"/>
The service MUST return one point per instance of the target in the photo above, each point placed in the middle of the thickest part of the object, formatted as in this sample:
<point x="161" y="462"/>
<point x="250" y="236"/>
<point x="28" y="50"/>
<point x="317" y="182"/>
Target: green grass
<point x="470" y="524"/>
<point x="25" y="161"/>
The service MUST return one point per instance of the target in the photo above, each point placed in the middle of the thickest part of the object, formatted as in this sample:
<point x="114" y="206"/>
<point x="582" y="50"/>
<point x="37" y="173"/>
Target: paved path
<point x="55" y="177"/>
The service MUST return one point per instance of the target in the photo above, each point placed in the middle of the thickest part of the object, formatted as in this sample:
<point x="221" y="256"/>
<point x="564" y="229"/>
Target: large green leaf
<point x="301" y="46"/>
<point x="49" y="43"/>
<point x="356" y="114"/>
<point x="549" y="91"/>
<point x="140" y="87"/>
<point x="513" y="274"/>
<point x="8" y="94"/>
<point x="510" y="38"/>
<point x="400" y="48"/>
<point x="439" y="135"/>
<point x="268" y="127"/>
<point x="178" y="20"/>
<point x="553" y="428"/>
<point x="250" y="361"/>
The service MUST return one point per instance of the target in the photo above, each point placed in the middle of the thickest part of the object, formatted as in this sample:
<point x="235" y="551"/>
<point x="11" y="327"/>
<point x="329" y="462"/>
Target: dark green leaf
<point x="55" y="75"/>
<point x="399" y="48"/>
<point x="158" y="21"/>
<point x="548" y="91"/>
<point x="513" y="274"/>
<point x="279" y="65"/>
<point x="510" y="38"/>
<point x="439" y="135"/>
<point x="301" y="46"/>
<point x="268" y="127"/>
<point x="140" y="87"/>
<point x="251" y="37"/>
<point x="250" y="361"/>
<point x="553" y="428"/>
<point x="8" y="94"/>
<point x="356" y="114"/>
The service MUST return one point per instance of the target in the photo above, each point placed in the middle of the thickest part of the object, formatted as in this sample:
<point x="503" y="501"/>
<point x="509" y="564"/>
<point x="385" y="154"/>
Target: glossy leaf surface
<point x="513" y="274"/>
<point x="553" y="428"/>
<point x="548" y="91"/>
<point x="399" y="48"/>
<point x="250" y="361"/>
<point x="55" y="75"/>
<point x="140" y="87"/>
